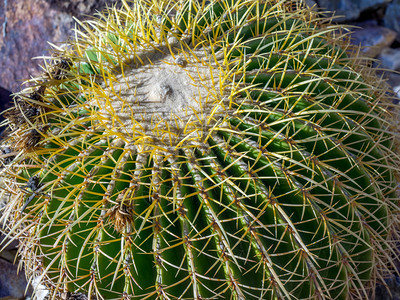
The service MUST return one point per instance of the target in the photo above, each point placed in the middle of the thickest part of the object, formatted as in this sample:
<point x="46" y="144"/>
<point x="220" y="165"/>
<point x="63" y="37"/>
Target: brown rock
<point x="30" y="24"/>
<point x="373" y="39"/>
<point x="25" y="28"/>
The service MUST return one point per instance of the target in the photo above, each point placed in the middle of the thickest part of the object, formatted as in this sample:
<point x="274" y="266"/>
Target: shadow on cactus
<point x="194" y="150"/>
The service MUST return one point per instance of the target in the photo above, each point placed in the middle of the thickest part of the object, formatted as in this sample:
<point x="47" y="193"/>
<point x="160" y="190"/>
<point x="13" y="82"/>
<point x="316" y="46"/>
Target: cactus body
<point x="195" y="150"/>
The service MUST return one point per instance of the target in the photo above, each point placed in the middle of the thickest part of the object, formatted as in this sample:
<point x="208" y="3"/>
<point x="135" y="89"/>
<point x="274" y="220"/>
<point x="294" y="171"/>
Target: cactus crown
<point x="196" y="150"/>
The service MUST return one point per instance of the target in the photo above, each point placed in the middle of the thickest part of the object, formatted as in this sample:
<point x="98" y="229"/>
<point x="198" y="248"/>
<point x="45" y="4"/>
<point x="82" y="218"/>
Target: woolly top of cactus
<point x="164" y="100"/>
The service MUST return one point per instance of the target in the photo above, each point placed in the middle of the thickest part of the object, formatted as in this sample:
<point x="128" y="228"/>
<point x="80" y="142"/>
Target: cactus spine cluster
<point x="230" y="149"/>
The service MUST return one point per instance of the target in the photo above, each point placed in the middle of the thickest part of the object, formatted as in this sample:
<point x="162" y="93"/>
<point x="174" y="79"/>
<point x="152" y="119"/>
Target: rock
<point x="5" y="100"/>
<point x="8" y="255"/>
<point x="311" y="3"/>
<point x="349" y="9"/>
<point x="396" y="89"/>
<point x="80" y="8"/>
<point x="393" y="79"/>
<point x="26" y="26"/>
<point x="372" y="38"/>
<point x="389" y="291"/>
<point x="390" y="58"/>
<point x="41" y="291"/>
<point x="30" y="24"/>
<point x="392" y="17"/>
<point x="12" y="282"/>
<point x="10" y="250"/>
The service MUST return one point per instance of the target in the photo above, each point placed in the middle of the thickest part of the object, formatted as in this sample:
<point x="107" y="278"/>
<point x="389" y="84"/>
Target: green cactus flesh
<point x="195" y="150"/>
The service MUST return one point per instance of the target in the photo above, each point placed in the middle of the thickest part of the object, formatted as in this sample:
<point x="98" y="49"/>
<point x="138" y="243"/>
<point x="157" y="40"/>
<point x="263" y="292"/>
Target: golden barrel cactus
<point x="227" y="149"/>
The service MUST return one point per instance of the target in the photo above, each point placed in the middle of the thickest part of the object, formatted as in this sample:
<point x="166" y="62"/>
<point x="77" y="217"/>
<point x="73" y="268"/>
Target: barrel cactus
<point x="227" y="149"/>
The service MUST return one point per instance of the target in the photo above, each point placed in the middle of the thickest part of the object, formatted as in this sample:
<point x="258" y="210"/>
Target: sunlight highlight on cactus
<point x="236" y="149"/>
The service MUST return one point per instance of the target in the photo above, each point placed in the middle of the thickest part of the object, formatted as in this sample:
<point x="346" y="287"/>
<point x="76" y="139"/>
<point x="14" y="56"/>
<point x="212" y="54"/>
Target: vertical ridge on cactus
<point x="232" y="149"/>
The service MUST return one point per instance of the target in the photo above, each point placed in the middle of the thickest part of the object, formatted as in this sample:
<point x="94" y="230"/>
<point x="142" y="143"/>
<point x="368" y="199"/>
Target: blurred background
<point x="26" y="26"/>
